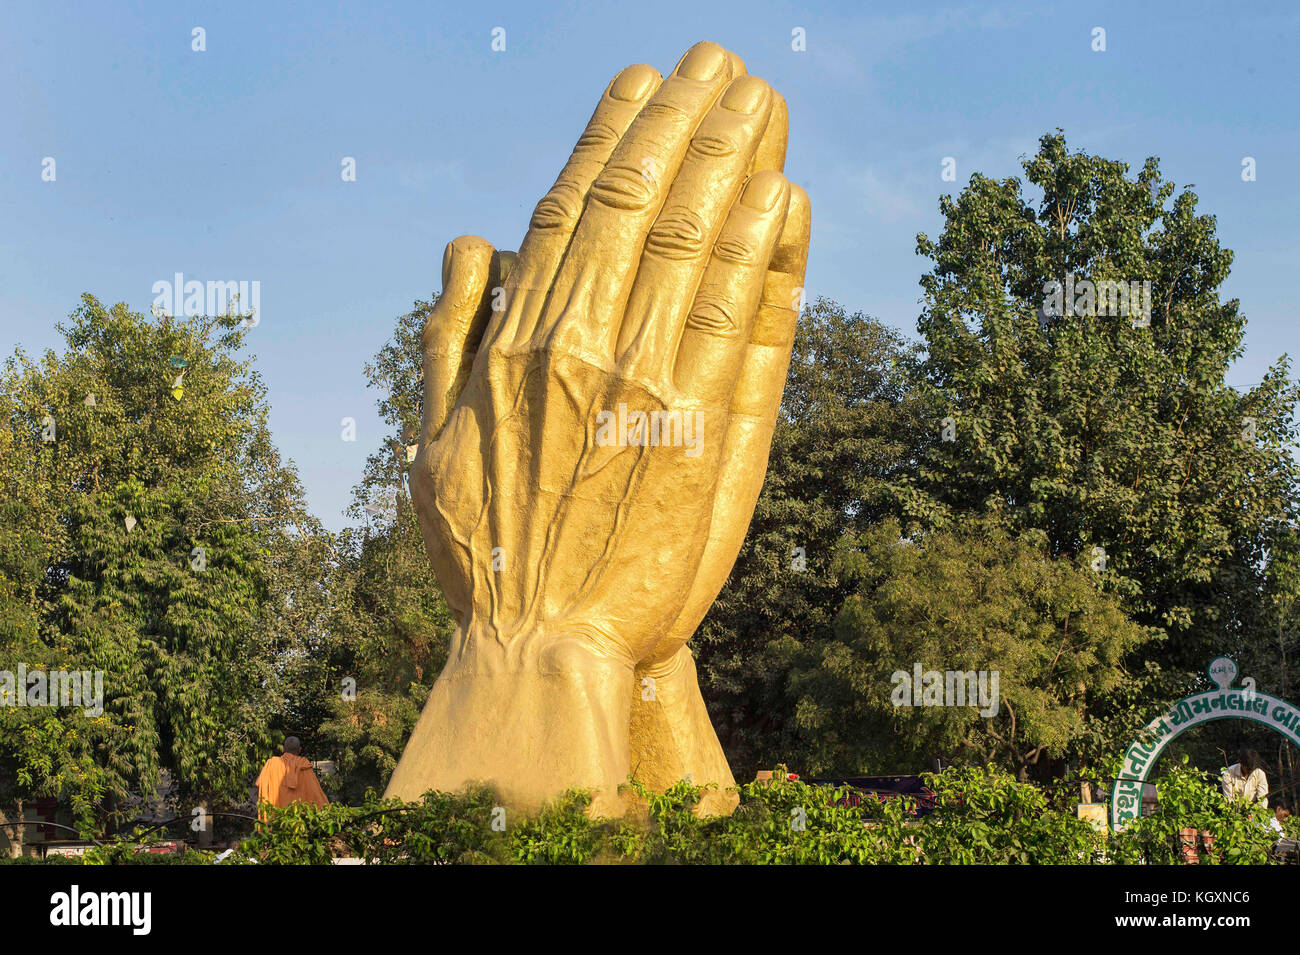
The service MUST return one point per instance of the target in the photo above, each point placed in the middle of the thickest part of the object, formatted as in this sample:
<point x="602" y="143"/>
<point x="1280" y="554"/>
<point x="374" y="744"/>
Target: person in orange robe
<point x="289" y="778"/>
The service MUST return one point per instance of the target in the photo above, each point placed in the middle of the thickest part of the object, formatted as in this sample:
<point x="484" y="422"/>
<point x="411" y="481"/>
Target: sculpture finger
<point x="471" y="269"/>
<point x="678" y="246"/>
<point x="755" y="401"/>
<point x="752" y="420"/>
<point x="767" y="357"/>
<point x="771" y="149"/>
<point x="592" y="286"/>
<point x="737" y="64"/>
<point x="718" y="327"/>
<point x="556" y="216"/>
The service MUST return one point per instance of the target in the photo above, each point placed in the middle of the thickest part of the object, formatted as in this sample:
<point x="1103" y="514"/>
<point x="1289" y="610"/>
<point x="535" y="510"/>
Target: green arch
<point x="1188" y="713"/>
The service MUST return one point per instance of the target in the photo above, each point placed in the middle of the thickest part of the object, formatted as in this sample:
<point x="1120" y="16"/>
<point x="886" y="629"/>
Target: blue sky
<point x="225" y="164"/>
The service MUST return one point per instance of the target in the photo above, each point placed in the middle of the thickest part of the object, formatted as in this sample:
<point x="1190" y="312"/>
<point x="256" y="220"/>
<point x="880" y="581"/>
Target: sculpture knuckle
<point x="666" y="111"/>
<point x="713" y="146"/>
<point x="678" y="234"/>
<point x="623" y="187"/>
<point x="736" y="250"/>
<point x="598" y="137"/>
<point x="559" y="208"/>
<point x="714" y="315"/>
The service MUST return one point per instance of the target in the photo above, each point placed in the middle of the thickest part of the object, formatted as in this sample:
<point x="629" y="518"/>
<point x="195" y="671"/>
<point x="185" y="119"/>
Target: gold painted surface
<point x="598" y="410"/>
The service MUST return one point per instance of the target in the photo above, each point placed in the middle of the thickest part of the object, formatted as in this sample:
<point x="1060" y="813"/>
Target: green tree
<point x="973" y="598"/>
<point x="1274" y="662"/>
<point x="41" y="753"/>
<point x="1116" y="436"/>
<point x="149" y="507"/>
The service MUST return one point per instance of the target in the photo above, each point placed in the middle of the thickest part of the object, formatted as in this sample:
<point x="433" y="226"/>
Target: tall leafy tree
<point x="972" y="599"/>
<point x="42" y="752"/>
<point x="1116" y="435"/>
<point x="1274" y="660"/>
<point x="154" y="507"/>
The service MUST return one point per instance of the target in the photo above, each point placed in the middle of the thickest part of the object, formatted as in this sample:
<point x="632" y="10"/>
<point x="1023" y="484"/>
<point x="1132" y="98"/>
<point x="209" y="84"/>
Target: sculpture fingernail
<point x="632" y="84"/>
<point x="763" y="192"/>
<point x="703" y="62"/>
<point x="745" y="95"/>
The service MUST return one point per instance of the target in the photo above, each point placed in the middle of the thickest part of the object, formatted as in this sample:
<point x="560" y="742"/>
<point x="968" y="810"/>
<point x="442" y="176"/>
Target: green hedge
<point x="980" y="817"/>
<point x="122" y="851"/>
<point x="36" y="860"/>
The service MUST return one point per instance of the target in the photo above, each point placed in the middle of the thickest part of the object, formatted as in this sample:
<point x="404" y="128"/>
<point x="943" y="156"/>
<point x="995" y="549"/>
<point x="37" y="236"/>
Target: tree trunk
<point x="11" y="837"/>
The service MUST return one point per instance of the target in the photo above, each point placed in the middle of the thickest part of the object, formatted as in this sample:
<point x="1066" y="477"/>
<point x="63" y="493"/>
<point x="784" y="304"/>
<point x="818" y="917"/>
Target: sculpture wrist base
<point x="531" y="720"/>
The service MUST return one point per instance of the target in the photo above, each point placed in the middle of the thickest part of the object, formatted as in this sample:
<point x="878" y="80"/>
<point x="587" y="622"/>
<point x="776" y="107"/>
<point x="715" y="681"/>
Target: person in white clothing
<point x="1280" y="816"/>
<point x="1245" y="779"/>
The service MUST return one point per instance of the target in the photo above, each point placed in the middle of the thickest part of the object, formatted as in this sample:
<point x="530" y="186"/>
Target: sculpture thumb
<point x="455" y="327"/>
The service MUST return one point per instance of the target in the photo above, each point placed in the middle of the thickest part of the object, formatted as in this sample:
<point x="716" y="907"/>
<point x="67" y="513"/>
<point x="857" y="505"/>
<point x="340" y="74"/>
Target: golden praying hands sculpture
<point x="598" y="411"/>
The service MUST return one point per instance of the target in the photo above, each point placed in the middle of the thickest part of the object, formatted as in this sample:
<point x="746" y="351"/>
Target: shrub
<point x="981" y="816"/>
<point x="1187" y="801"/>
